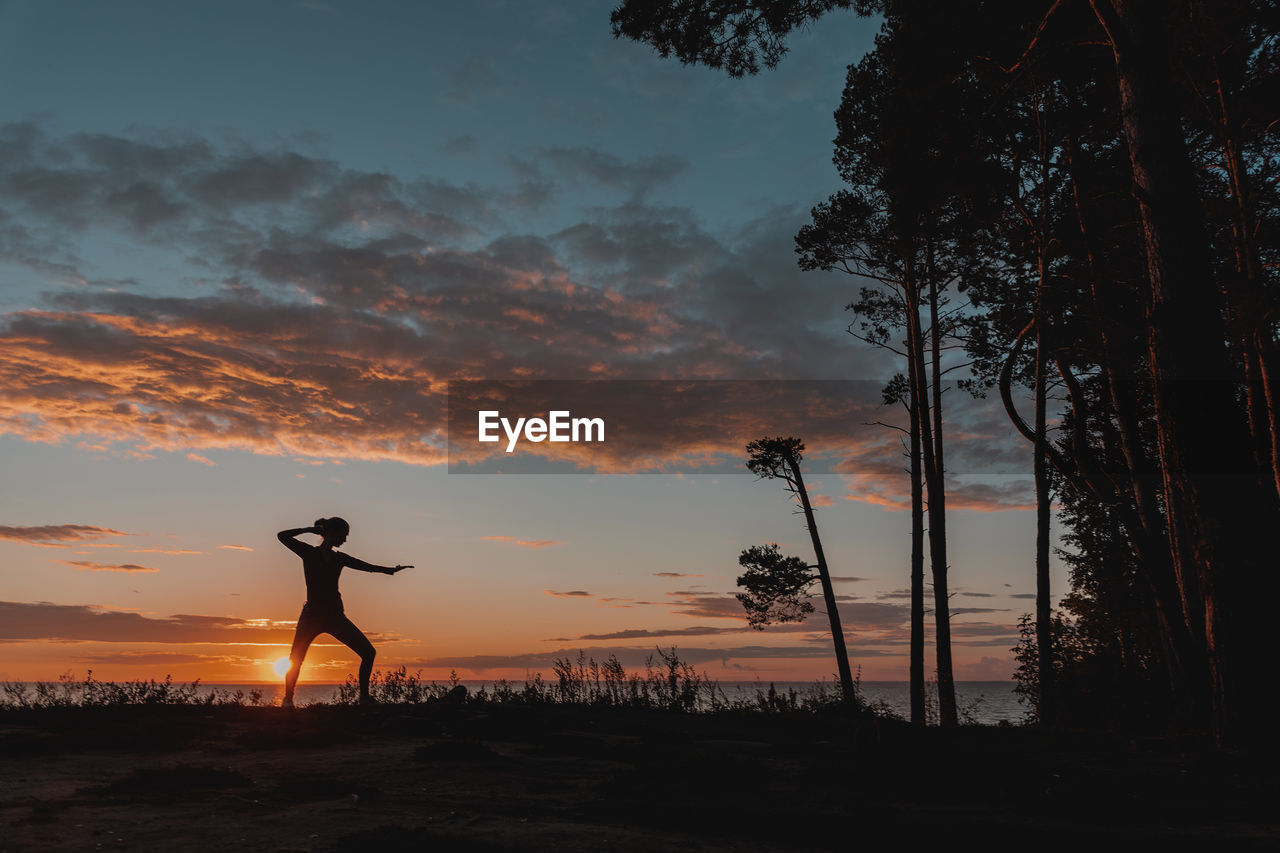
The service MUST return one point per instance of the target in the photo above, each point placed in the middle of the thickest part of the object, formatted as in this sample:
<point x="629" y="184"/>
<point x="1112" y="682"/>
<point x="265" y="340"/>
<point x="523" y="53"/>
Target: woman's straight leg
<point x="303" y="635"/>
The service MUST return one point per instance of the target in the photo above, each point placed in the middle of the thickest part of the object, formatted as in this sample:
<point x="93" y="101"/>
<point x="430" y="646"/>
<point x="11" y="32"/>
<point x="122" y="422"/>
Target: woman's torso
<point x="322" y="566"/>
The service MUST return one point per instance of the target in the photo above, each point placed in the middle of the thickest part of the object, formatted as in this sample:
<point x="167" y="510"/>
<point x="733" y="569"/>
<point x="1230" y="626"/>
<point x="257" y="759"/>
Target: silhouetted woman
<point x="322" y="614"/>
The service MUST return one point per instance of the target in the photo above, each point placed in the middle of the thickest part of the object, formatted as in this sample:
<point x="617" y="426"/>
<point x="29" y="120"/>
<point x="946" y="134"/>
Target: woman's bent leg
<point x="346" y="632"/>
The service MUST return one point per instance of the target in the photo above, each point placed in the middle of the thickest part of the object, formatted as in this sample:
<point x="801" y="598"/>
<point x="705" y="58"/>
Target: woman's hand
<point x="392" y="571"/>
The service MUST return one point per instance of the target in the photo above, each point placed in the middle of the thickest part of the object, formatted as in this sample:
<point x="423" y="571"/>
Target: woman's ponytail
<point x="333" y="527"/>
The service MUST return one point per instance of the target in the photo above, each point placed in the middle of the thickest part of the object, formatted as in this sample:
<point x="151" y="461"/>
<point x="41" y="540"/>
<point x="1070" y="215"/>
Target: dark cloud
<point x="990" y="445"/>
<point x="876" y="469"/>
<point x="646" y="252"/>
<point x="275" y="178"/>
<point x="866" y="615"/>
<point x="71" y="623"/>
<point x="573" y="593"/>
<point x="90" y="566"/>
<point x="706" y="605"/>
<point x="171" y="187"/>
<point x="608" y="170"/>
<point x="1013" y="493"/>
<point x="46" y="534"/>
<point x="984" y="634"/>
<point x="349" y="299"/>
<point x="858" y="617"/>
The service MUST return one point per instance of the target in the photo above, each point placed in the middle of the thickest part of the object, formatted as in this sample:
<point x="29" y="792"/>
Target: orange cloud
<point x="53" y="534"/>
<point x="170" y="551"/>
<point x="262" y="377"/>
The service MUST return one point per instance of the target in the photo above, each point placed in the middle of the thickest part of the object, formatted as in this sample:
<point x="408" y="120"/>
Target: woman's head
<point x="335" y="530"/>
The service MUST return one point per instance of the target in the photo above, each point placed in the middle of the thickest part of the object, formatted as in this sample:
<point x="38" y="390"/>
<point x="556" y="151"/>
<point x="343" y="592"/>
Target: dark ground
<point x="511" y="777"/>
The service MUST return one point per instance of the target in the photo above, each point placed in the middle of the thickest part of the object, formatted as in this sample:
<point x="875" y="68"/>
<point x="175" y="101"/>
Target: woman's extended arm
<point x="287" y="539"/>
<point x="362" y="566"/>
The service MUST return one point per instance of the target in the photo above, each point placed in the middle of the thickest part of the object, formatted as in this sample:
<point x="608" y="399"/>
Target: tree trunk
<point x="1254" y="326"/>
<point x="1181" y="621"/>
<point x="828" y="591"/>
<point x="1219" y="520"/>
<point x="935" y="488"/>
<point x="1044" y="603"/>
<point x="938" y="527"/>
<point x="917" y="563"/>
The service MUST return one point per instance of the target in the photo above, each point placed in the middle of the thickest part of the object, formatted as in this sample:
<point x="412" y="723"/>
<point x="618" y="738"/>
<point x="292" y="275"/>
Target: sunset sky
<point x="244" y="248"/>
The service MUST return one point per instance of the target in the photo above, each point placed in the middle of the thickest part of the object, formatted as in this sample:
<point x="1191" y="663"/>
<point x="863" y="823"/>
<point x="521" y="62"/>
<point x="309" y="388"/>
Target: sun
<point x="281" y="666"/>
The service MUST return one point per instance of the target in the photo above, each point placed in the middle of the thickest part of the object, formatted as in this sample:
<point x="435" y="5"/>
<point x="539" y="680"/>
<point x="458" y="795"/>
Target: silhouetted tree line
<point x="1080" y="194"/>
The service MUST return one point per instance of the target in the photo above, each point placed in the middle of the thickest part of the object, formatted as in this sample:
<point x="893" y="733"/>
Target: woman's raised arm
<point x="288" y="540"/>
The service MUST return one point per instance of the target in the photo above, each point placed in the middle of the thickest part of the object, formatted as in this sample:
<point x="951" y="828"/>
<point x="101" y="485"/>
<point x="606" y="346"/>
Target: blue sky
<point x="458" y="91"/>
